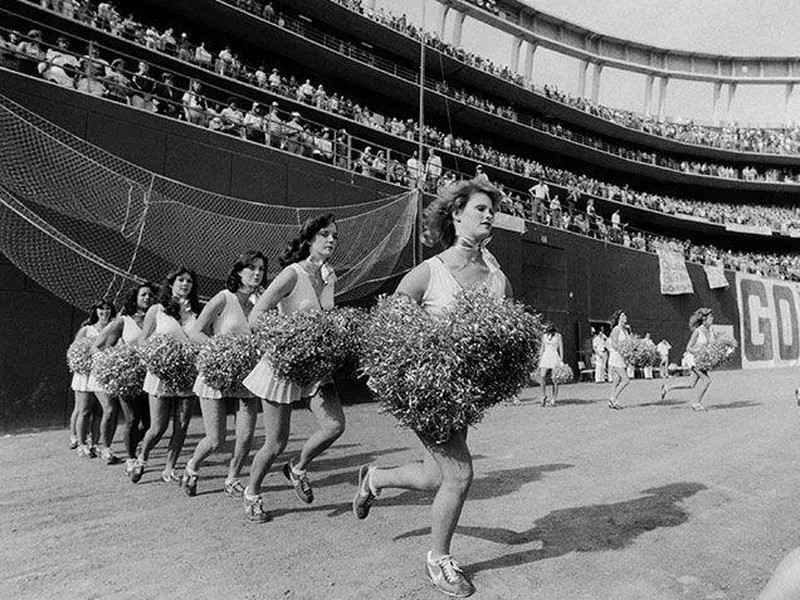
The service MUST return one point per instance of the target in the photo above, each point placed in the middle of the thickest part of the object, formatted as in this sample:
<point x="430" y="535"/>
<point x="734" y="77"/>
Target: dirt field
<point x="577" y="502"/>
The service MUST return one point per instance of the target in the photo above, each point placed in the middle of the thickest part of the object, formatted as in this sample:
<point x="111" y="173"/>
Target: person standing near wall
<point x="616" y="364"/>
<point x="552" y="356"/>
<point x="599" y="347"/>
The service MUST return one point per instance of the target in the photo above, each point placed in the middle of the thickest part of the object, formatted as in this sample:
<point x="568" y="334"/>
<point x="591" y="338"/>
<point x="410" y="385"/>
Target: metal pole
<point x="421" y="170"/>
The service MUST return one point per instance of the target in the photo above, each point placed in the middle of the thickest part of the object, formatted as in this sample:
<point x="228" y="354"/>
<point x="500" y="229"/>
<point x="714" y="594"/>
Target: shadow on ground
<point x="593" y="528"/>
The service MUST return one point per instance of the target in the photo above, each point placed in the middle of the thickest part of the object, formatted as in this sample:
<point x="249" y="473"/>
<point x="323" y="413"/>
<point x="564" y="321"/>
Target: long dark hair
<point x="698" y="317"/>
<point x="171" y="306"/>
<point x="438" y="217"/>
<point x="131" y="306"/>
<point x="246" y="259"/>
<point x="615" y="317"/>
<point x="94" y="317"/>
<point x="300" y="246"/>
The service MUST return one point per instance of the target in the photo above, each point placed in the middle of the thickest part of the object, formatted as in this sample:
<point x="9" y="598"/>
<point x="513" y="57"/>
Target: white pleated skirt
<point x="264" y="383"/>
<point x="202" y="390"/>
<point x="155" y="387"/>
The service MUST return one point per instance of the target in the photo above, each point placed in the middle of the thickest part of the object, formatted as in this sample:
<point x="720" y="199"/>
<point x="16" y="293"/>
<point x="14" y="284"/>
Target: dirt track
<point x="577" y="502"/>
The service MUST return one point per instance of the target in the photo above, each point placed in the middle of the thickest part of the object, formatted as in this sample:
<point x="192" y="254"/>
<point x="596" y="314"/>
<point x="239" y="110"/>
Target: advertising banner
<point x="674" y="274"/>
<point x="768" y="321"/>
<point x="716" y="277"/>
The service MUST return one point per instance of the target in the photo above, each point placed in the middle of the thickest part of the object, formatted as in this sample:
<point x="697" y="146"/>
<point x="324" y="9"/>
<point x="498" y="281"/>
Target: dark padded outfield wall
<point x="571" y="279"/>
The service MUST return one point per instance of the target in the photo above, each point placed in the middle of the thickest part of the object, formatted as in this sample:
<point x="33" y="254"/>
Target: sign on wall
<point x="768" y="321"/>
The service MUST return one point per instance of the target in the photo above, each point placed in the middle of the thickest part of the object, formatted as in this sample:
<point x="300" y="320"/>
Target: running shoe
<point x="129" y="462"/>
<point x="73" y="442"/>
<point x="138" y="470"/>
<point x="254" y="509"/>
<point x="364" y="494"/>
<point x="234" y="489"/>
<point x="170" y="477"/>
<point x="189" y="483"/>
<point x="448" y="577"/>
<point x="107" y="454"/>
<point x="302" y="487"/>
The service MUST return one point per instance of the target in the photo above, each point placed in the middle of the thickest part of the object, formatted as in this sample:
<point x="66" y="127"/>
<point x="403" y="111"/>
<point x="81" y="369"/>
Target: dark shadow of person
<point x="593" y="528"/>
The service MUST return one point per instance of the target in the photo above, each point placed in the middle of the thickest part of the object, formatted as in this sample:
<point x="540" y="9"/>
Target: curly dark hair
<point x="698" y="317"/>
<point x="438" y="216"/>
<point x="171" y="306"/>
<point x="131" y="305"/>
<point x="300" y="246"/>
<point x="94" y="317"/>
<point x="246" y="259"/>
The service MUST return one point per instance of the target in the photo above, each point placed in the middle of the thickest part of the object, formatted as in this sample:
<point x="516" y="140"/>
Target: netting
<point x="84" y="223"/>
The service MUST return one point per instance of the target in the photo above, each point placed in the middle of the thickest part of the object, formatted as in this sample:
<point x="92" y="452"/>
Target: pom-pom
<point x="171" y="360"/>
<point x="79" y="356"/>
<point x="227" y="359"/>
<point x="563" y="373"/>
<point x="347" y="324"/>
<point x="637" y="352"/>
<point x="298" y="345"/>
<point x="120" y="370"/>
<point x="715" y="353"/>
<point x="438" y="376"/>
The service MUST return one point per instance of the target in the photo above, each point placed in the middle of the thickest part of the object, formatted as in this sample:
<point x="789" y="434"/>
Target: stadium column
<point x="731" y="96"/>
<point x="598" y="73"/>
<point x="662" y="96"/>
<point x="583" y="67"/>
<point x="787" y="101"/>
<point x="717" y="92"/>
<point x="530" y="53"/>
<point x="458" y="25"/>
<point x="648" y="94"/>
<point x="513" y="55"/>
<point x="443" y="10"/>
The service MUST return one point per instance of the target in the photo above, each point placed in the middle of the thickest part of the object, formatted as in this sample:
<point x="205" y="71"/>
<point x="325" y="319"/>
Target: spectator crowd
<point x="93" y="74"/>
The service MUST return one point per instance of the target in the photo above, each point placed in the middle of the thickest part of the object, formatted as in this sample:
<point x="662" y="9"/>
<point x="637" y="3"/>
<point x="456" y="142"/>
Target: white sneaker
<point x="448" y="577"/>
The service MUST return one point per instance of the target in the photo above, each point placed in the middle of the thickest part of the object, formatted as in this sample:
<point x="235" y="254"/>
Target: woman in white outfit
<point x="127" y="329"/>
<point x="616" y="364"/>
<point x="306" y="283"/>
<point x="700" y="325"/>
<point x="551" y="357"/>
<point x="176" y="310"/>
<point x="227" y="312"/>
<point x="461" y="220"/>
<point x="86" y="388"/>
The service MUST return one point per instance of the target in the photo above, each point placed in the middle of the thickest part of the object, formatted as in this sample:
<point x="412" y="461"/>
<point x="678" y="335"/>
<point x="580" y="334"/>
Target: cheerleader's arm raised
<point x="415" y="282"/>
<point x="280" y="287"/>
<point x="200" y="328"/>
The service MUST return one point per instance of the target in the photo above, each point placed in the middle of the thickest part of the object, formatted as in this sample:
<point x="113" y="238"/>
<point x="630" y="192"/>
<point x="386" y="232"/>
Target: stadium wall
<point x="571" y="279"/>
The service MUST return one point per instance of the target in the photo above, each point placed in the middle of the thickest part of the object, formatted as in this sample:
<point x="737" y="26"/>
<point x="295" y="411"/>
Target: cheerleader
<point x="551" y="357"/>
<point x="461" y="220"/>
<point x="305" y="283"/>
<point x="177" y="308"/>
<point x="227" y="312"/>
<point x="127" y="329"/>
<point x="616" y="364"/>
<point x="86" y="387"/>
<point x="700" y="326"/>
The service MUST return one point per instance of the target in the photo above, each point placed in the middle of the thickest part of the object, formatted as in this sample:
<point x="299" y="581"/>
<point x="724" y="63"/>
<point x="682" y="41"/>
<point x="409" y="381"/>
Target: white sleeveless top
<point x="614" y="357"/>
<point x="303" y="296"/>
<point x="85" y="382"/>
<point x="443" y="286"/>
<point x="231" y="318"/>
<point x="130" y="329"/>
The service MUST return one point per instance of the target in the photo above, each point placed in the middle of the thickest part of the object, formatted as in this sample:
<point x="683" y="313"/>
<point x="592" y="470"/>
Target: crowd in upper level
<point x="266" y="124"/>
<point x="728" y="137"/>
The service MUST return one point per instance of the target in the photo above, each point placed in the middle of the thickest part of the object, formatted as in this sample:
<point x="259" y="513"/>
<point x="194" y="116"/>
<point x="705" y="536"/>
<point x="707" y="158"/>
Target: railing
<point x="342" y="151"/>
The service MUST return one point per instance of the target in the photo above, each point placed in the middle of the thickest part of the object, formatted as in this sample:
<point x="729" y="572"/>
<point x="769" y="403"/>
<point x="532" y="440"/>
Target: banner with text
<point x="674" y="275"/>
<point x="768" y="321"/>
<point x="716" y="277"/>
